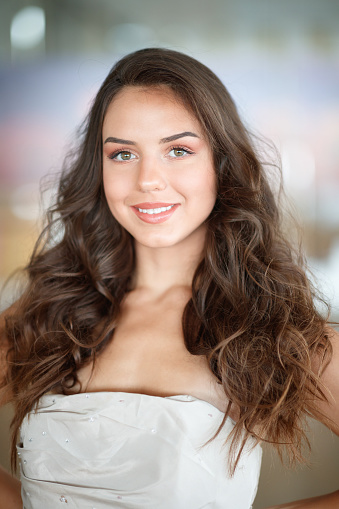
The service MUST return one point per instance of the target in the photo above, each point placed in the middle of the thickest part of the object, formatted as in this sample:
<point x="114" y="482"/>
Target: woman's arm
<point x="330" y="501"/>
<point x="10" y="490"/>
<point x="330" y="410"/>
<point x="10" y="487"/>
<point x="330" y="378"/>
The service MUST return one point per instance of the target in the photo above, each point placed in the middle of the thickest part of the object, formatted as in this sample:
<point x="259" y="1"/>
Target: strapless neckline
<point x="150" y="397"/>
<point x="131" y="451"/>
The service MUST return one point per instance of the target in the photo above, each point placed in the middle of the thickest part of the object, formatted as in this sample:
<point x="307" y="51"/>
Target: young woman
<point x="167" y="327"/>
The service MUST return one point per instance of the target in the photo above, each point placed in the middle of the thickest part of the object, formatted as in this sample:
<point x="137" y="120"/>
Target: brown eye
<point x="123" y="155"/>
<point x="179" y="152"/>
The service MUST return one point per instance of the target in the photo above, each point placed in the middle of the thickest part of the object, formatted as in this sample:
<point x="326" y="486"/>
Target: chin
<point x="156" y="241"/>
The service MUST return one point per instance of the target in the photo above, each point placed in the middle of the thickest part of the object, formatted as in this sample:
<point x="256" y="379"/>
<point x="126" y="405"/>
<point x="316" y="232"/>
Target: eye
<point x="122" y="155"/>
<point x="179" y="152"/>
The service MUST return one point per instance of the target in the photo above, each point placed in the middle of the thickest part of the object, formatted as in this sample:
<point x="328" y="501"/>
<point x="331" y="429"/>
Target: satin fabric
<point x="131" y="451"/>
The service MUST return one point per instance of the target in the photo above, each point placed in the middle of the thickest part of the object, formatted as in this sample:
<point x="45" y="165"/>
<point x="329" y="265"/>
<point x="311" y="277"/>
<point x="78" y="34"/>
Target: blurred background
<point x="279" y="60"/>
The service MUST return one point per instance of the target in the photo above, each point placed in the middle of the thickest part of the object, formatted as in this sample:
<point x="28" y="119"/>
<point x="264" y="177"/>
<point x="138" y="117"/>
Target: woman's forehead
<point x="131" y="99"/>
<point x="151" y="91"/>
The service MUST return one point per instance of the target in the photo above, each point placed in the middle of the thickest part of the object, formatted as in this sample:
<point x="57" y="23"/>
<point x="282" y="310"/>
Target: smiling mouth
<point x="155" y="215"/>
<point x="155" y="210"/>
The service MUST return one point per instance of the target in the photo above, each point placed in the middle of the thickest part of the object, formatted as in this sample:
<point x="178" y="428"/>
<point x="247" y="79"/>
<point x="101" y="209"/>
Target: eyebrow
<point x="112" y="139"/>
<point x="177" y="136"/>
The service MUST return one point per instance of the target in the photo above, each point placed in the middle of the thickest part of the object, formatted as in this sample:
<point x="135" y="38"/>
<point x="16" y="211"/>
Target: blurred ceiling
<point x="105" y="26"/>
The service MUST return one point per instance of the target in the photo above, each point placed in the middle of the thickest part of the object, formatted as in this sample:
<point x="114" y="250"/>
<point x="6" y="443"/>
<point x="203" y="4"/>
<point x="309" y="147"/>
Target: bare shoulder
<point x="330" y="378"/>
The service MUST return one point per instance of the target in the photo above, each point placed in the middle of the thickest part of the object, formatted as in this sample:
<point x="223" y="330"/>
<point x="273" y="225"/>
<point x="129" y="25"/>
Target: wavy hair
<point x="252" y="312"/>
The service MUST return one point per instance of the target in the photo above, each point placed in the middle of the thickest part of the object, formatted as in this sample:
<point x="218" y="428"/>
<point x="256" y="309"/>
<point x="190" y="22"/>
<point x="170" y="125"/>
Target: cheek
<point x="211" y="179"/>
<point x="114" y="188"/>
<point x="204" y="185"/>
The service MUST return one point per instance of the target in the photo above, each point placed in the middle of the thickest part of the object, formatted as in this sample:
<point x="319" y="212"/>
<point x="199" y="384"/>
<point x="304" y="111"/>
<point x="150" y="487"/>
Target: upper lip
<point x="151" y="205"/>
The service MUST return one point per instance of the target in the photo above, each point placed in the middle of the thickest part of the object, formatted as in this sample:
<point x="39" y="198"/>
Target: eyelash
<point x="117" y="152"/>
<point x="174" y="147"/>
<point x="180" y="147"/>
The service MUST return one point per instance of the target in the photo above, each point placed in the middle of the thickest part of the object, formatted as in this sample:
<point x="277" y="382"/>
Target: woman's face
<point x="156" y="156"/>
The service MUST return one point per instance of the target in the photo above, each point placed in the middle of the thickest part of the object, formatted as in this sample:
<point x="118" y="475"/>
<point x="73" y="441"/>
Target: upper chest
<point x="147" y="354"/>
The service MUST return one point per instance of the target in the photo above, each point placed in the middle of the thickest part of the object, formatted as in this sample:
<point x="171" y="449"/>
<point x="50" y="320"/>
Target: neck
<point x="161" y="269"/>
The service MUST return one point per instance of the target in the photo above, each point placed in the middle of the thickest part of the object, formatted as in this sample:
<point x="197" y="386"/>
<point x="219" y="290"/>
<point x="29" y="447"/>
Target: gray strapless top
<point x="131" y="451"/>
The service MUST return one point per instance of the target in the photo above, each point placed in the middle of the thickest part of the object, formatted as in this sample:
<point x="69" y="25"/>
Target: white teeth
<point x="155" y="211"/>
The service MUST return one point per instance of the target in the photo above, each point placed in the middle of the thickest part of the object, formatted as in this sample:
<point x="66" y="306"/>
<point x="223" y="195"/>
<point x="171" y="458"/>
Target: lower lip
<point x="156" y="218"/>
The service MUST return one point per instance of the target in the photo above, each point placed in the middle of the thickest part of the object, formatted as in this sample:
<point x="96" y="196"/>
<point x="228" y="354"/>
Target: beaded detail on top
<point x="133" y="451"/>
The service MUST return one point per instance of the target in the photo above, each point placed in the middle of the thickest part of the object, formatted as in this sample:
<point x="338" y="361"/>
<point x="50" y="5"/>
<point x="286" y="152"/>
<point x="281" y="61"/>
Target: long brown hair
<point x="252" y="311"/>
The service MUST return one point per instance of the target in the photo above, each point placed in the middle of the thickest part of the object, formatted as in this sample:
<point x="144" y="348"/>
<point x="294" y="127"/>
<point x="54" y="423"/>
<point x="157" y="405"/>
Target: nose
<point x="150" y="175"/>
